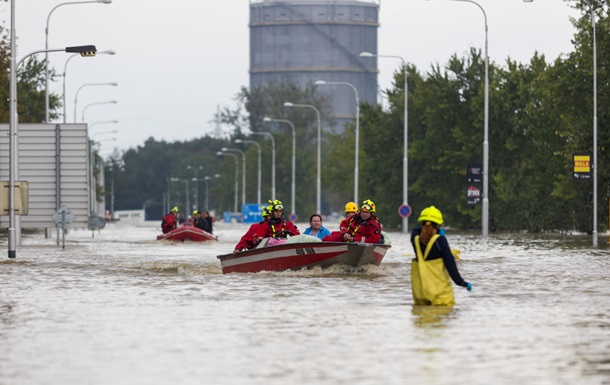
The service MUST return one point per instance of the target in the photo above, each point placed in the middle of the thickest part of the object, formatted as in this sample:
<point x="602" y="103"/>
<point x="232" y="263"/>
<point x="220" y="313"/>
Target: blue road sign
<point x="404" y="210"/>
<point x="293" y="217"/>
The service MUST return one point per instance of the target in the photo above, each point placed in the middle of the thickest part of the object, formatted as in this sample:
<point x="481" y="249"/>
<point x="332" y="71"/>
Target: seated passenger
<point x="359" y="228"/>
<point x="200" y="222"/>
<point x="315" y="227"/>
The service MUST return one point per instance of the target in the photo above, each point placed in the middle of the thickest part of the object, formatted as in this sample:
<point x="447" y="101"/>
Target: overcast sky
<point x="177" y="60"/>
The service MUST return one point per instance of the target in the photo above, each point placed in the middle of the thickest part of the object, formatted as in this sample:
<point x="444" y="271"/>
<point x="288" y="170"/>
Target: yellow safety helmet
<point x="196" y="212"/>
<point x="351" y="207"/>
<point x="275" y="205"/>
<point x="431" y="214"/>
<point x="174" y="209"/>
<point x="367" y="206"/>
<point x="265" y="212"/>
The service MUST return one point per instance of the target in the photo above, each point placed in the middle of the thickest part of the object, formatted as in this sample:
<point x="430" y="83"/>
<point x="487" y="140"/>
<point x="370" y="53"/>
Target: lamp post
<point x="46" y="46"/>
<point x="207" y="190"/>
<point x="318" y="177"/>
<point x="405" y="159"/>
<point x="102" y="122"/>
<point x="272" y="160"/>
<point x="186" y="198"/>
<point x="107" y="52"/>
<point x="220" y="153"/>
<point x="14" y="222"/>
<point x="95" y="104"/>
<point x="114" y="84"/>
<point x="243" y="174"/>
<point x="485" y="209"/>
<point x="294" y="141"/>
<point x="357" y="149"/>
<point x="196" y="180"/>
<point x="258" y="195"/>
<point x="104" y="132"/>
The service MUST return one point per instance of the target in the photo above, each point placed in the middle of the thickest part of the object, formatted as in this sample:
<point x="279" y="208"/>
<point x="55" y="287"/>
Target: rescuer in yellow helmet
<point x="170" y="220"/>
<point x="434" y="266"/>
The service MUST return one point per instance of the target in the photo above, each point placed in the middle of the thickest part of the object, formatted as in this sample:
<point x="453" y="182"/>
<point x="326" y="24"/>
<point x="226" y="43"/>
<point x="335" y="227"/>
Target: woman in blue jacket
<point x="315" y="227"/>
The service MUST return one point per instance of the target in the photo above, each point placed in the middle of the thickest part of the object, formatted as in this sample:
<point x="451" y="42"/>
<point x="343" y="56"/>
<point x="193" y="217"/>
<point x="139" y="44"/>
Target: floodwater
<point x="123" y="308"/>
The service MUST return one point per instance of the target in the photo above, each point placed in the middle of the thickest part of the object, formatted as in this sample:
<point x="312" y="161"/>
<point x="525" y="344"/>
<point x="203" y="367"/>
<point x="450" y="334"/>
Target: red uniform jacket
<point x="168" y="223"/>
<point x="368" y="231"/>
<point x="251" y="238"/>
<point x="281" y="228"/>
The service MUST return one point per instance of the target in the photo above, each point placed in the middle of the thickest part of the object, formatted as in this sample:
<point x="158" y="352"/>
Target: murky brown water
<point x="122" y="308"/>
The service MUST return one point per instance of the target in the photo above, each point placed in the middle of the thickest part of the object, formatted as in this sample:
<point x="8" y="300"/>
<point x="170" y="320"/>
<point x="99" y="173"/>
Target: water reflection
<point x="431" y="317"/>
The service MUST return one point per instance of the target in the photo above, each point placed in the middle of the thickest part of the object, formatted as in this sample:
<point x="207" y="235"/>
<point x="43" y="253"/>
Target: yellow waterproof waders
<point x="430" y="280"/>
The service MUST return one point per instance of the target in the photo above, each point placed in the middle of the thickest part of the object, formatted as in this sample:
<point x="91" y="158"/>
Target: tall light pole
<point x="485" y="209"/>
<point x="318" y="177"/>
<point x="107" y="52"/>
<point x="104" y="132"/>
<point x="405" y="159"/>
<point x="272" y="160"/>
<point x="186" y="198"/>
<point x="294" y="147"/>
<point x="357" y="149"/>
<point x="113" y="84"/>
<point x="14" y="222"/>
<point x="46" y="46"/>
<point x="196" y="180"/>
<point x="243" y="174"/>
<point x="258" y="195"/>
<point x="220" y="153"/>
<point x="95" y="104"/>
<point x="102" y="122"/>
<point x="207" y="190"/>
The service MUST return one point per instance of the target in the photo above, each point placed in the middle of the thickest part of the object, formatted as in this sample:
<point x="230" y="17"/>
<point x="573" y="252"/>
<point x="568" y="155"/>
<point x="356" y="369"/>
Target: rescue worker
<point x="350" y="209"/>
<point x="434" y="266"/>
<point x="360" y="227"/>
<point x="278" y="226"/>
<point x="255" y="233"/>
<point x="200" y="222"/>
<point x="170" y="221"/>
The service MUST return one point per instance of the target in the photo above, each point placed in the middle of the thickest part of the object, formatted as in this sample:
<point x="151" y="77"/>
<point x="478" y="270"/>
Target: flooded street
<point x="123" y="308"/>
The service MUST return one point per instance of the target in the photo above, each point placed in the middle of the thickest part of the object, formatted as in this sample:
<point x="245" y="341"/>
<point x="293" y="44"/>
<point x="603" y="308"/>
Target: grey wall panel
<point x="36" y="165"/>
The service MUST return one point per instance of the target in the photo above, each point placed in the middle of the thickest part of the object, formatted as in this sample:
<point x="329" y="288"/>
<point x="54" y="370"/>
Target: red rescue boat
<point x="295" y="256"/>
<point x="188" y="233"/>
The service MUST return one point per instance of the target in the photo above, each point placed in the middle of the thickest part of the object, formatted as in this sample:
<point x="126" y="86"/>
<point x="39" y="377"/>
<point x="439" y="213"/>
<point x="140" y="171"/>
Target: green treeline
<point x="540" y="114"/>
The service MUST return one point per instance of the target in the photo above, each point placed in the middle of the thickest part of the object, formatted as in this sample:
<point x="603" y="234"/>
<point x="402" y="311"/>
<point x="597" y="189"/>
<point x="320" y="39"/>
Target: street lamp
<point x="196" y="180"/>
<point x="485" y="211"/>
<point x="14" y="222"/>
<point x="102" y="122"/>
<point x="114" y="84"/>
<point x="95" y="104"/>
<point x="258" y="196"/>
<point x="294" y="141"/>
<point x="107" y="52"/>
<point x="318" y="177"/>
<point x="220" y="153"/>
<point x="357" y="150"/>
<point x="103" y="133"/>
<point x="272" y="160"/>
<point x="243" y="174"/>
<point x="186" y="198"/>
<point x="207" y="190"/>
<point x="405" y="159"/>
<point x="46" y="46"/>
